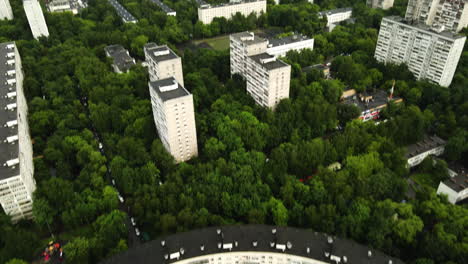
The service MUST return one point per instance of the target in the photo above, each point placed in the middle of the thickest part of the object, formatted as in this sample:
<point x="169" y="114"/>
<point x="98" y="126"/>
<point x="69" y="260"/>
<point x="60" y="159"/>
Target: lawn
<point x="217" y="43"/>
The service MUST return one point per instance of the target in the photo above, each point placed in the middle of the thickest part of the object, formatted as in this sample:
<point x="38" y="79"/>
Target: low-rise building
<point x="122" y="12"/>
<point x="174" y="118"/>
<point x="207" y="12"/>
<point x="169" y="11"/>
<point x="121" y="57"/>
<point x="268" y="79"/>
<point x="336" y="16"/>
<point x="16" y="163"/>
<point x="456" y="188"/>
<point x="383" y="4"/>
<point x="280" y="46"/>
<point x="5" y="10"/>
<point x="429" y="146"/>
<point x="73" y="6"/>
<point x="36" y="19"/>
<point x="369" y="103"/>
<point x="163" y="63"/>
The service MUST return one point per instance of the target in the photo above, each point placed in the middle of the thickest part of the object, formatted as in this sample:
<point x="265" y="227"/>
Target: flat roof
<point x="379" y="98"/>
<point x="163" y="6"/>
<point x="241" y="36"/>
<point x="180" y="91"/>
<point x="428" y="143"/>
<point x="302" y="242"/>
<point x="423" y="27"/>
<point x="151" y="48"/>
<point x="270" y="65"/>
<point x="122" y="12"/>
<point x="458" y="183"/>
<point x="8" y="151"/>
<point x="287" y="40"/>
<point x="208" y="6"/>
<point x="335" y="11"/>
<point x="120" y="56"/>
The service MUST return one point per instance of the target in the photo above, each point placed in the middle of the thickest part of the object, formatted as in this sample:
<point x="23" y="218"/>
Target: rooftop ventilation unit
<point x="11" y="123"/>
<point x="10" y="46"/>
<point x="182" y="251"/>
<point x="169" y="87"/>
<point x="175" y="255"/>
<point x="345" y="259"/>
<point x="254" y="243"/>
<point x="10" y="55"/>
<point x="11" y="139"/>
<point x="281" y="247"/>
<point x="11" y="81"/>
<point x="330" y="240"/>
<point x="369" y="254"/>
<point x="308" y="250"/>
<point x="163" y="243"/>
<point x="336" y="259"/>
<point x="10" y="73"/>
<point x="227" y="246"/>
<point x="11" y="107"/>
<point x="289" y="245"/>
<point x="161" y="52"/>
<point x="202" y="247"/>
<point x="11" y="95"/>
<point x="12" y="163"/>
<point x="267" y="60"/>
<point x="10" y="62"/>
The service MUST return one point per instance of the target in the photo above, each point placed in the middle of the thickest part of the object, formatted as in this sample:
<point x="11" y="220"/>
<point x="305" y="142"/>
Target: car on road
<point x="137" y="232"/>
<point x="113" y="182"/>
<point x="121" y="199"/>
<point x="132" y="219"/>
<point x="100" y="145"/>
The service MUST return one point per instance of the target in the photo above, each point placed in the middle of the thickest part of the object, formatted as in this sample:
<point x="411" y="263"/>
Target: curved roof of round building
<point x="252" y="239"/>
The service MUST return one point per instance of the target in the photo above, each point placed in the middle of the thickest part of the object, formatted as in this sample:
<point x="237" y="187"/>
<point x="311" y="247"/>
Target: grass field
<point x="217" y="43"/>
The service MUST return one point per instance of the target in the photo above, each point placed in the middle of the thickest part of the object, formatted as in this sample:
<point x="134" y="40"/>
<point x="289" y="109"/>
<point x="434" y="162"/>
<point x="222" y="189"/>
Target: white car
<point x="137" y="232"/>
<point x="113" y="182"/>
<point x="133" y="221"/>
<point x="121" y="199"/>
<point x="100" y="145"/>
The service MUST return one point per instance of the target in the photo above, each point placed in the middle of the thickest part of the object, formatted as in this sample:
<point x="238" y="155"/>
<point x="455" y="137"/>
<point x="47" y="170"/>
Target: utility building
<point x="36" y="19"/>
<point x="16" y="166"/>
<point x="163" y="63"/>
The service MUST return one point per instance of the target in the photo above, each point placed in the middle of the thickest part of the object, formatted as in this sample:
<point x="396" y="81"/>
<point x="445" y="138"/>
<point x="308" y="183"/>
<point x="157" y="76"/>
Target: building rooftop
<point x="207" y="6"/>
<point x="122" y="12"/>
<point x="121" y="58"/>
<point x="423" y="27"/>
<point x="168" y="89"/>
<point x="163" y="6"/>
<point x="369" y="100"/>
<point x="335" y="11"/>
<point x="248" y="37"/>
<point x="459" y="182"/>
<point x="8" y="151"/>
<point x="287" y="40"/>
<point x="159" y="53"/>
<point x="268" y="61"/>
<point x="256" y="238"/>
<point x="426" y="144"/>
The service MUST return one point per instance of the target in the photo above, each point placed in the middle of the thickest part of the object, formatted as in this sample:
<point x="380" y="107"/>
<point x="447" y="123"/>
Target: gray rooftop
<point x="458" y="183"/>
<point x="121" y="57"/>
<point x="151" y="48"/>
<point x="8" y="151"/>
<point x="246" y="37"/>
<point x="379" y="98"/>
<point x="335" y="11"/>
<point x="424" y="145"/>
<point x="302" y="242"/>
<point x="163" y="6"/>
<point x="287" y="40"/>
<point x="423" y="27"/>
<point x="270" y="65"/>
<point x="180" y="91"/>
<point x="122" y="12"/>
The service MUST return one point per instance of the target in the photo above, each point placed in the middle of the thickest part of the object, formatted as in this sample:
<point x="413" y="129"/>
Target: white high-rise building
<point x="5" y="10"/>
<point x="36" y="19"/>
<point x="447" y="14"/>
<point x="174" y="118"/>
<point x="243" y="45"/>
<point x="206" y="12"/>
<point x="268" y="79"/>
<point x="163" y="63"/>
<point x="429" y="55"/>
<point x="383" y="4"/>
<point x="16" y="165"/>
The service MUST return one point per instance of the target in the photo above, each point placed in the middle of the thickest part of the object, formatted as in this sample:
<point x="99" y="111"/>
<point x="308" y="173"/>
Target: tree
<point x="43" y="214"/>
<point x="78" y="250"/>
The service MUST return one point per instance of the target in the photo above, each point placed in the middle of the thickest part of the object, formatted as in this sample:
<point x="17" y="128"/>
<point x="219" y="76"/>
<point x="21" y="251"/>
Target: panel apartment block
<point x="5" y="10"/>
<point x="447" y="14"/>
<point x="268" y="79"/>
<point x="163" y="63"/>
<point x="122" y="12"/>
<point x="16" y="166"/>
<point x="206" y="13"/>
<point x="243" y="45"/>
<point x="383" y="4"/>
<point x="36" y="19"/>
<point x="174" y="118"/>
<point x="429" y="55"/>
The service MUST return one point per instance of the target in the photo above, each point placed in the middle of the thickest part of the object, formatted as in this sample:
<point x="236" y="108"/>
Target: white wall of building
<point x="281" y="50"/>
<point x="451" y="14"/>
<point x="206" y="14"/>
<point x="383" y="4"/>
<point x="36" y="18"/>
<point x="240" y="50"/>
<point x="416" y="160"/>
<point x="5" y="10"/>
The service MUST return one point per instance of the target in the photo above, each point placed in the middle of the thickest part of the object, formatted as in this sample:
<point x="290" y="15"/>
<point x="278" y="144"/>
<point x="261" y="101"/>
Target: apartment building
<point x="206" y="12"/>
<point x="169" y="11"/>
<point x="243" y="45"/>
<point x="73" y="6"/>
<point x="5" y="10"/>
<point x="450" y="15"/>
<point x="278" y="47"/>
<point x="174" y="118"/>
<point x="122" y="62"/>
<point x="16" y="166"/>
<point x="122" y="12"/>
<point x="268" y="79"/>
<point x="429" y="146"/>
<point x="163" y="63"/>
<point x="429" y="54"/>
<point x="383" y="4"/>
<point x="456" y="187"/>
<point x="336" y="16"/>
<point x="36" y="19"/>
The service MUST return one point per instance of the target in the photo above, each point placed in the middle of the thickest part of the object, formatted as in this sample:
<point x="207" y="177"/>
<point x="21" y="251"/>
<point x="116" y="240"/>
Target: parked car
<point x="137" y="232"/>
<point x="113" y="182"/>
<point x="121" y="199"/>
<point x="133" y="221"/>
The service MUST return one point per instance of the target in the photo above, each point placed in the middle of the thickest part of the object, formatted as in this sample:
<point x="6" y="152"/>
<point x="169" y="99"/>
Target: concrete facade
<point x="243" y="45"/>
<point x="383" y="4"/>
<point x="430" y="146"/>
<point x="278" y="47"/>
<point x="429" y="55"/>
<point x="17" y="183"/>
<point x="36" y="19"/>
<point x="5" y="10"/>
<point x="163" y="63"/>
<point x="206" y="13"/>
<point x="336" y="16"/>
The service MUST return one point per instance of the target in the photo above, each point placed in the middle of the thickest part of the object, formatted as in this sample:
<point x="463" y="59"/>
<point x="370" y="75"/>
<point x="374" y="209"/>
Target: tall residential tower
<point x="36" y="19"/>
<point x="446" y="14"/>
<point x="163" y="63"/>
